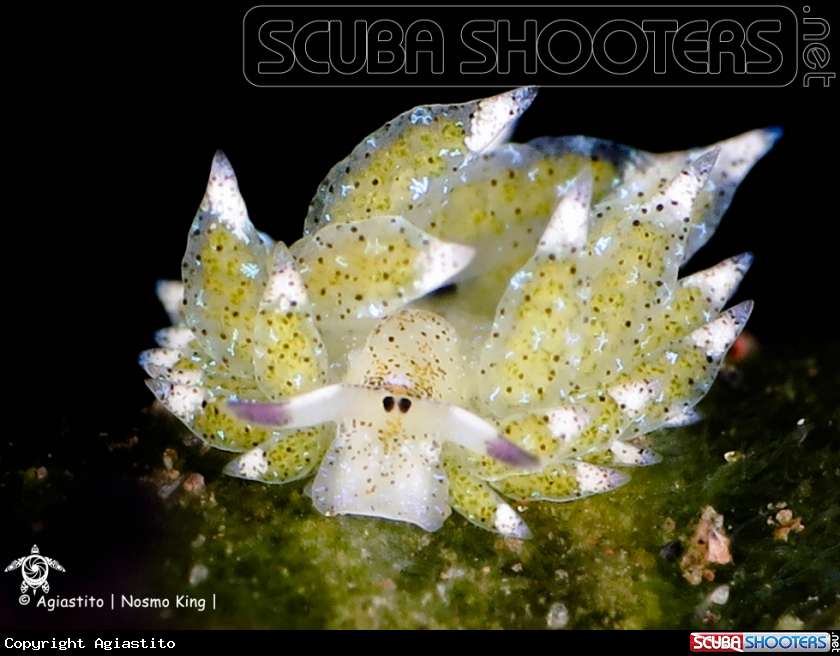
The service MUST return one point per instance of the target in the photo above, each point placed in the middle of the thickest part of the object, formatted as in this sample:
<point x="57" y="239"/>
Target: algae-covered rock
<point x="273" y="561"/>
<point x="610" y="561"/>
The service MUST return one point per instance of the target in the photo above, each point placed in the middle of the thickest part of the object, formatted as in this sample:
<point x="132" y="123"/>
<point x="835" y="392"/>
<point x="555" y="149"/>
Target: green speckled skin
<point x="564" y="337"/>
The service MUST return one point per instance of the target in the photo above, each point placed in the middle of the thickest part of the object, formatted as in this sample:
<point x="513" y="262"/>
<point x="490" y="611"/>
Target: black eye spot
<point x="405" y="404"/>
<point x="388" y="403"/>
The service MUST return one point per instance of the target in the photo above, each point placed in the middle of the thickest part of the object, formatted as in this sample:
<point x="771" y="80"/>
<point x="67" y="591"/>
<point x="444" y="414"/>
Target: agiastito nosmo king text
<point x="130" y="601"/>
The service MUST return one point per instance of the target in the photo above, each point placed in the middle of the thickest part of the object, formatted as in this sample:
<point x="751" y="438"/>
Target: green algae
<point x="770" y="440"/>
<point x="275" y="562"/>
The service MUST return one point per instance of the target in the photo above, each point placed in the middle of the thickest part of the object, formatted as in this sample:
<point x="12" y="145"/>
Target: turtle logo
<point x="34" y="568"/>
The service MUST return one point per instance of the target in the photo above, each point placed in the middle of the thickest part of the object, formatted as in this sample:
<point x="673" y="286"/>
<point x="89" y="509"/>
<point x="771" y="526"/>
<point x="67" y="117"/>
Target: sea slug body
<point x="465" y="324"/>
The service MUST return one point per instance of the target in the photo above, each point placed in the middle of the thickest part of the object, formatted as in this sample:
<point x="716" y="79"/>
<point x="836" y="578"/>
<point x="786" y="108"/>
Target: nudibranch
<point x="466" y="324"/>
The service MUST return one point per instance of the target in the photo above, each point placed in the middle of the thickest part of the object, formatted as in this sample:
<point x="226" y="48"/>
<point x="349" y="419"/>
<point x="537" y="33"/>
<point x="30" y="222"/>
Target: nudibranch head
<point x="400" y="402"/>
<point x="465" y="322"/>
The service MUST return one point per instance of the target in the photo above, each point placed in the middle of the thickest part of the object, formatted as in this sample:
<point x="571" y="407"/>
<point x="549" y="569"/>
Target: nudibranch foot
<point x="467" y="324"/>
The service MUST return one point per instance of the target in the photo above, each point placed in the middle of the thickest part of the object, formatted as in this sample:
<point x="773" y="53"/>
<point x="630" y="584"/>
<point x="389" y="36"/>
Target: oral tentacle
<point x="324" y="404"/>
<point x="352" y="406"/>
<point x="473" y="432"/>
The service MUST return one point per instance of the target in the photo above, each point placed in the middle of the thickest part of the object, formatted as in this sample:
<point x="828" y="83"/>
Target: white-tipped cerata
<point x="628" y="454"/>
<point x="174" y="338"/>
<point x="160" y="357"/>
<point x="567" y="228"/>
<point x="250" y="465"/>
<point x="567" y="423"/>
<point x="684" y="417"/>
<point x="635" y="396"/>
<point x="593" y="479"/>
<point x="183" y="401"/>
<point x="223" y="200"/>
<point x="682" y="191"/>
<point x="440" y="263"/>
<point x="170" y="293"/>
<point x="717" y="336"/>
<point x="508" y="522"/>
<point x="719" y="282"/>
<point x="285" y="288"/>
<point x="495" y="118"/>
